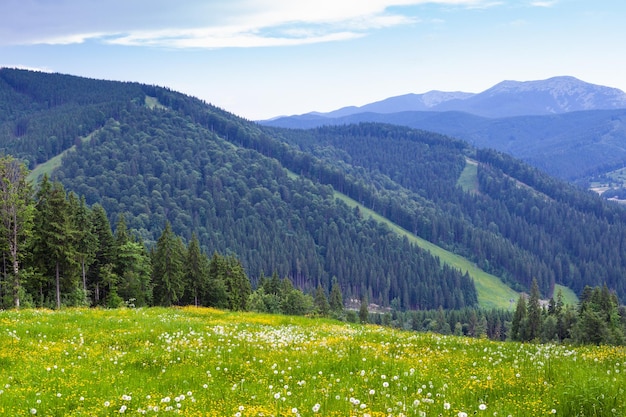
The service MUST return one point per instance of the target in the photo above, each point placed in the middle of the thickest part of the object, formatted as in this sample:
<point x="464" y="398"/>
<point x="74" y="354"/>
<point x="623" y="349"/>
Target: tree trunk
<point x="58" y="285"/>
<point x="16" y="265"/>
<point x="16" y="284"/>
<point x="82" y="263"/>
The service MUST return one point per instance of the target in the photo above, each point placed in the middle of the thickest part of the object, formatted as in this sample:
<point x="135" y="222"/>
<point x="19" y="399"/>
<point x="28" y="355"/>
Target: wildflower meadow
<point x="205" y="362"/>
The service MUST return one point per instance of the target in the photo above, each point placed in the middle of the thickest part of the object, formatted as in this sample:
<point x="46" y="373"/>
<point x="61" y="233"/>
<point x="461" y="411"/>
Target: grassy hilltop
<point x="196" y="361"/>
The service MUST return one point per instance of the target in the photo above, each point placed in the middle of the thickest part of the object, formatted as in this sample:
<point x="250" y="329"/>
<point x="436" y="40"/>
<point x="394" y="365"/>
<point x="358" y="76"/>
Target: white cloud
<point x="544" y="3"/>
<point x="201" y="23"/>
<point x="26" y="67"/>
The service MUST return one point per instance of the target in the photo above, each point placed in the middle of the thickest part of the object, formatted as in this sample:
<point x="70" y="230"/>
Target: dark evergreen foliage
<point x="216" y="175"/>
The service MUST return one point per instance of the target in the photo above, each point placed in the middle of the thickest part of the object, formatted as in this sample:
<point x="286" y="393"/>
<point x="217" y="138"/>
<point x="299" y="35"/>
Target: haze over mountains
<point x="564" y="126"/>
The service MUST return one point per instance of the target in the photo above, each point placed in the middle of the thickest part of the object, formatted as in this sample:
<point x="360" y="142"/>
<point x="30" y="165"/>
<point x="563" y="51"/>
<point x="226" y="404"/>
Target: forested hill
<point x="267" y="195"/>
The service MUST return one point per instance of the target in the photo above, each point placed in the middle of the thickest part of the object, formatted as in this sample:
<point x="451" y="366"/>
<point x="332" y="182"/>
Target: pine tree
<point x="104" y="254"/>
<point x="86" y="241"/>
<point x="16" y="216"/>
<point x="321" y="302"/>
<point x="134" y="273"/>
<point x="54" y="236"/>
<point x="533" y="329"/>
<point x="518" y="324"/>
<point x="216" y="287"/>
<point x="363" y="311"/>
<point x="336" y="299"/>
<point x="168" y="271"/>
<point x="237" y="284"/>
<point x="197" y="271"/>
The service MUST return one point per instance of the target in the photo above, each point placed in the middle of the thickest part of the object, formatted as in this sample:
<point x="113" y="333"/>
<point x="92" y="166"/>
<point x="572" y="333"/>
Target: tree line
<point x="597" y="319"/>
<point x="58" y="251"/>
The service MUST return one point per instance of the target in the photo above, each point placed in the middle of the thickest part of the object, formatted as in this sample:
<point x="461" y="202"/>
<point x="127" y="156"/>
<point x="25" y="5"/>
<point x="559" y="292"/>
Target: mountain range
<point x="364" y="204"/>
<point x="564" y="126"/>
<point x="506" y="99"/>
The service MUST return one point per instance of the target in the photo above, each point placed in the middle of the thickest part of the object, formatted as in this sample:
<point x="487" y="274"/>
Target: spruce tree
<point x="86" y="241"/>
<point x="533" y="329"/>
<point x="336" y="299"/>
<point x="363" y="311"/>
<point x="168" y="271"/>
<point x="197" y="271"/>
<point x="104" y="256"/>
<point x="237" y="284"/>
<point x="322" y="307"/>
<point x="518" y="324"/>
<point x="16" y="216"/>
<point x="215" y="295"/>
<point x="54" y="238"/>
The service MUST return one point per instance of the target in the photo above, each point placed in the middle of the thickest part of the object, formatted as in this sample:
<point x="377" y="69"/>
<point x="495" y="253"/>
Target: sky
<point x="264" y="58"/>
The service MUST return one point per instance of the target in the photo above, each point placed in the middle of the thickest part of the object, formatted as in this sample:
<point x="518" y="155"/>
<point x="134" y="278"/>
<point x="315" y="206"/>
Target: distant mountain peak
<point x="556" y="95"/>
<point x="561" y="94"/>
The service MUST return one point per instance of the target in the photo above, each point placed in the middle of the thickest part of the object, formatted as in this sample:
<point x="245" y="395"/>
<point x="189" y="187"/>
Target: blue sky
<point x="264" y="58"/>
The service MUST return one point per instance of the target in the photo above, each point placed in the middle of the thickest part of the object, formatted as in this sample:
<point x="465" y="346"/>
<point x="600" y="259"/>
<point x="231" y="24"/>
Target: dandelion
<point x="446" y="405"/>
<point x="553" y="411"/>
<point x="123" y="409"/>
<point x="33" y="411"/>
<point x="482" y="407"/>
<point x="294" y="410"/>
<point x="462" y="414"/>
<point x="372" y="392"/>
<point x="316" y="408"/>
<point x="106" y="403"/>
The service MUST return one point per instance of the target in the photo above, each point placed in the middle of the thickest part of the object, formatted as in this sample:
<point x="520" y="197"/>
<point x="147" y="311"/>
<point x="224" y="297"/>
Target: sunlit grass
<point x="198" y="362"/>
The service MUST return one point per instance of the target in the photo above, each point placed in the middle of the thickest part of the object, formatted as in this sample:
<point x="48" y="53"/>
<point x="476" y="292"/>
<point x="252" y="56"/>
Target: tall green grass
<point x="198" y="362"/>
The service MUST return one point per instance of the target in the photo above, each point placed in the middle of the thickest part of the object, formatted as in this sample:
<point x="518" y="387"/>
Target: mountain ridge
<point x="561" y="94"/>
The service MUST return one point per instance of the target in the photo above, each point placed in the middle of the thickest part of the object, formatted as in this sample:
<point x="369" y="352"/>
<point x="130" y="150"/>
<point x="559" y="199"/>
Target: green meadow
<point x="199" y="362"/>
<point x="492" y="292"/>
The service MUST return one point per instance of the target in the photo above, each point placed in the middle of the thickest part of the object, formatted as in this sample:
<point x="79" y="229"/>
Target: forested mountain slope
<point x="266" y="194"/>
<point x="572" y="146"/>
